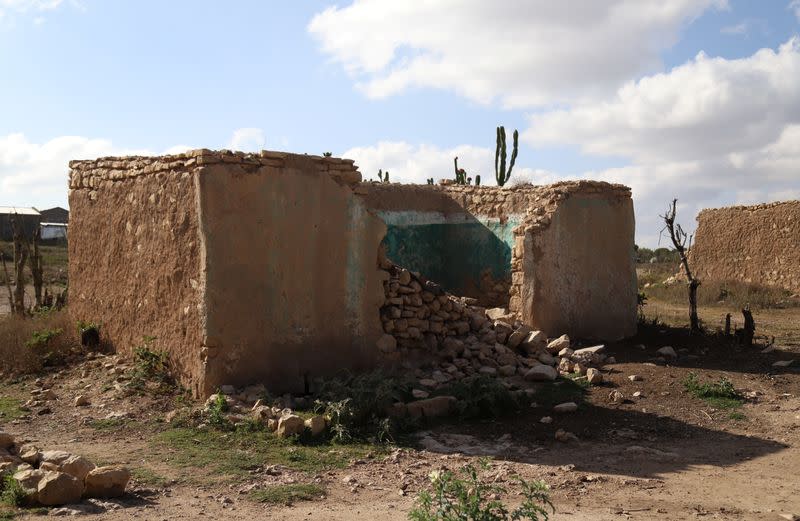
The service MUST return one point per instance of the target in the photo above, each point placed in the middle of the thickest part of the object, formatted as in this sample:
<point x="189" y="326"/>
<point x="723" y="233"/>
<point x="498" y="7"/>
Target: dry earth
<point x="666" y="455"/>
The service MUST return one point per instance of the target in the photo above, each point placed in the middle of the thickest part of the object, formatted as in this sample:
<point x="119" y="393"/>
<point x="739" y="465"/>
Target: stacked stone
<point x="54" y="477"/>
<point x="93" y="174"/>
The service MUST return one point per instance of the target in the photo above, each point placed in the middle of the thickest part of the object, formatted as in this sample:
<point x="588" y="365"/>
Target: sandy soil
<point x="666" y="455"/>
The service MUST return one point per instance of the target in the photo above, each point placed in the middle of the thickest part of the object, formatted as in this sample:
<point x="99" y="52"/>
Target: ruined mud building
<point x="274" y="267"/>
<point x="755" y="244"/>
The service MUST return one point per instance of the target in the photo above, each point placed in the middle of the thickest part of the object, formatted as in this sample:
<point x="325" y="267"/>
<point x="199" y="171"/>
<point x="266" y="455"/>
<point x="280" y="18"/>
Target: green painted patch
<point x="453" y="252"/>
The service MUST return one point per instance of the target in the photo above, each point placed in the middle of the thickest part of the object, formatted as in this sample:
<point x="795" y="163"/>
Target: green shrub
<point x="721" y="395"/>
<point x="468" y="498"/>
<point x="40" y="339"/>
<point x="216" y="412"/>
<point x="483" y="396"/>
<point x="12" y="493"/>
<point x="151" y="367"/>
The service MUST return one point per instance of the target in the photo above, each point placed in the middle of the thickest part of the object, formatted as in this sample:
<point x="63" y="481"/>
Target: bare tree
<point x="681" y="240"/>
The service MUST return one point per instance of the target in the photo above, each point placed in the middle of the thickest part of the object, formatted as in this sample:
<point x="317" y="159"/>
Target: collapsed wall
<point x="243" y="266"/>
<point x="561" y="256"/>
<point x="754" y="244"/>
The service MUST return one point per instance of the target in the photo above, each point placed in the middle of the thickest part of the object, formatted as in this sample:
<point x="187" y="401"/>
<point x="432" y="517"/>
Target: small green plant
<point x="482" y="396"/>
<point x="40" y="339"/>
<point x="327" y="154"/>
<point x="384" y="177"/>
<point x="86" y="326"/>
<point x="466" y="497"/>
<point x="12" y="492"/>
<point x="501" y="174"/>
<point x="737" y="416"/>
<point x="720" y="395"/>
<point x="217" y="410"/>
<point x="288" y="494"/>
<point x="151" y="366"/>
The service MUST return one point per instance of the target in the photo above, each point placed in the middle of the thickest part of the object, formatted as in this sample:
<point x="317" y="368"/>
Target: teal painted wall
<point x="453" y="251"/>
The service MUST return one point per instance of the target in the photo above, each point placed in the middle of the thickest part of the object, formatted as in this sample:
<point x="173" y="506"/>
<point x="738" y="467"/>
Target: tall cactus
<point x="461" y="174"/>
<point x="500" y="172"/>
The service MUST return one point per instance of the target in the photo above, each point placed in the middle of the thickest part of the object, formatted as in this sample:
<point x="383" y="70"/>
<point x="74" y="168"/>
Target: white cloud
<point x="524" y="53"/>
<point x="415" y="163"/>
<point x="794" y="5"/>
<point x="740" y="28"/>
<point x="35" y="174"/>
<point x="248" y="140"/>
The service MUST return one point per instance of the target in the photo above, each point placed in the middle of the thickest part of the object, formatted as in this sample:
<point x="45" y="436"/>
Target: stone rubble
<point x="54" y="477"/>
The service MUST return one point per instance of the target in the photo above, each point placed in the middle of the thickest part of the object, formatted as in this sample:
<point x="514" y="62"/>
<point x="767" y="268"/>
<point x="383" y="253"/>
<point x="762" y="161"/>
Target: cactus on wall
<point x="501" y="174"/>
<point x="430" y="180"/>
<point x="478" y="180"/>
<point x="384" y="177"/>
<point x="461" y="174"/>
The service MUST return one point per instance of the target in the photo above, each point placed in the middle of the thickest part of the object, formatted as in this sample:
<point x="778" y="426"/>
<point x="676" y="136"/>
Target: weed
<point x="358" y="404"/>
<point x="147" y="476"/>
<point x="234" y="453"/>
<point x="40" y="339"/>
<point x="151" y="369"/>
<point x="10" y="408"/>
<point x="720" y="395"/>
<point x="216" y="412"/>
<point x="569" y="389"/>
<point x="737" y="416"/>
<point x="27" y="344"/>
<point x="12" y="492"/>
<point x="483" y="396"/>
<point x="288" y="494"/>
<point x="467" y="497"/>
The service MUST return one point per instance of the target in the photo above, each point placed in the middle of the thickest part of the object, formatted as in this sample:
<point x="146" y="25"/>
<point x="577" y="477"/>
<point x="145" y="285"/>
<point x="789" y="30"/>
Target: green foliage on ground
<point x="466" y="497"/>
<point x="226" y="454"/>
<point x="569" y="389"/>
<point x="11" y="492"/>
<point x="10" y="408"/>
<point x="151" y="370"/>
<point x="288" y="494"/>
<point x="483" y="397"/>
<point x="720" y="395"/>
<point x="40" y="339"/>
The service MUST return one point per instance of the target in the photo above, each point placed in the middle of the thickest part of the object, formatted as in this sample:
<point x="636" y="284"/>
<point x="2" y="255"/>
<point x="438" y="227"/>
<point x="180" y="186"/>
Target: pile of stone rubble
<point x="470" y="340"/>
<point x="54" y="477"/>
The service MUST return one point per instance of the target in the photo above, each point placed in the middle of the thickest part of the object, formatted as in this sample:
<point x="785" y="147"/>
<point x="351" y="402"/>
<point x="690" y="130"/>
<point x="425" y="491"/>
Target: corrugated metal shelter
<point x="28" y="218"/>
<point x="54" y="232"/>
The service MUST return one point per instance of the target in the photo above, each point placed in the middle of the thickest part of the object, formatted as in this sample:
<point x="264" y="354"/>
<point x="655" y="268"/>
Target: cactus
<point x="478" y="180"/>
<point x="327" y="154"/>
<point x="430" y="180"/>
<point x="461" y="174"/>
<point x="384" y="177"/>
<point x="500" y="172"/>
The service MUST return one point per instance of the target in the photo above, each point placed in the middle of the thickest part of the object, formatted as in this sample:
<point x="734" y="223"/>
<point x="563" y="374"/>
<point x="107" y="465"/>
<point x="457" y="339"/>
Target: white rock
<point x="546" y="419"/>
<point x="290" y="425"/>
<point x="587" y="351"/>
<point x="558" y="344"/>
<point x="635" y="378"/>
<point x="638" y="394"/>
<point x="316" y="424"/>
<point x="80" y="401"/>
<point x="566" y="352"/>
<point x="77" y="466"/>
<point x="565" y="436"/>
<point x="419" y="394"/>
<point x="541" y="373"/>
<point x="566" y="407"/>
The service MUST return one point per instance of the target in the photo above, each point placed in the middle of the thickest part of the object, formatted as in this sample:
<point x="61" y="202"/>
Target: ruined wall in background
<point x="756" y="244"/>
<point x="293" y="284"/>
<point x="135" y="256"/>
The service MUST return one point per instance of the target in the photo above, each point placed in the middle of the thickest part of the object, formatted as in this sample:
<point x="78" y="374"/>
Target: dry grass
<point x="733" y="294"/>
<point x="27" y="344"/>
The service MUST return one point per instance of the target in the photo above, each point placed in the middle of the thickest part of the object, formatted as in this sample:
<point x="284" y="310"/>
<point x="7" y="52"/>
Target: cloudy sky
<point x="694" y="99"/>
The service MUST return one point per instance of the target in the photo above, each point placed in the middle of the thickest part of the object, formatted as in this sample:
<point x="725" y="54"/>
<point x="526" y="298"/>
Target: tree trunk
<point x="749" y="330"/>
<point x="8" y="283"/>
<point x="36" y="269"/>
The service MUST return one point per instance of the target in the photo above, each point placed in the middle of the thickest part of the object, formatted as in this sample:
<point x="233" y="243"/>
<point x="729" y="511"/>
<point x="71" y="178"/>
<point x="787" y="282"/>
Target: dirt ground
<point x="664" y="455"/>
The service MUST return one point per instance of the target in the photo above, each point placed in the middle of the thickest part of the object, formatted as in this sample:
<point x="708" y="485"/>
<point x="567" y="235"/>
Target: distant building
<point x="55" y="215"/>
<point x="55" y="232"/>
<point x="27" y="218"/>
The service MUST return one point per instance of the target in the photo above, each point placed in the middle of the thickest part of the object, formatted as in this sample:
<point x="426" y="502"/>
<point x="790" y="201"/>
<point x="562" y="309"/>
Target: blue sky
<point x="406" y="90"/>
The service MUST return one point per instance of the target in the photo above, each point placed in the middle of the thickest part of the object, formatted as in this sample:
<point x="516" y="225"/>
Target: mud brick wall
<point x="755" y="244"/>
<point x="245" y="267"/>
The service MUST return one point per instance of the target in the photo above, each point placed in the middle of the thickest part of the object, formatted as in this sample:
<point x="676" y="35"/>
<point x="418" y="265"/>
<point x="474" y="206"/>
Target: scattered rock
<point x="635" y="378"/>
<point x="541" y="373"/>
<point x="783" y="363"/>
<point x="667" y="352"/>
<point x="419" y="394"/>
<point x="565" y="436"/>
<point x="316" y="424"/>
<point x="638" y="394"/>
<point x="593" y="376"/>
<point x="432" y="407"/>
<point x="616" y="397"/>
<point x="59" y="488"/>
<point x="566" y="407"/>
<point x="546" y="420"/>
<point x="107" y="481"/>
<point x="559" y="344"/>
<point x="77" y="467"/>
<point x="80" y="401"/>
<point x="290" y="425"/>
